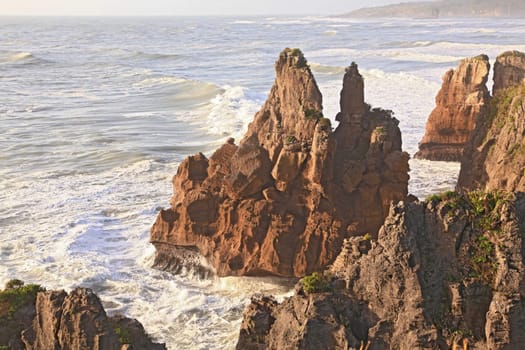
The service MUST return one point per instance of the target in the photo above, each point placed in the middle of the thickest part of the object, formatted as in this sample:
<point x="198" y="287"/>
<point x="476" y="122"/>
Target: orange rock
<point x="462" y="99"/>
<point x="281" y="201"/>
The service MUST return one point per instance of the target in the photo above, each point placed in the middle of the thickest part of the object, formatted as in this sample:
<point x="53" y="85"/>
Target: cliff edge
<point x="448" y="273"/>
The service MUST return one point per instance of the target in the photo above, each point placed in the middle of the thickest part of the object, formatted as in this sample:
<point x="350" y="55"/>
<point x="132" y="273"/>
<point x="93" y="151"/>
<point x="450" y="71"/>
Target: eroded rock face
<point x="495" y="155"/>
<point x="32" y="318"/>
<point x="282" y="200"/>
<point x="439" y="274"/>
<point x="460" y="102"/>
<point x="509" y="70"/>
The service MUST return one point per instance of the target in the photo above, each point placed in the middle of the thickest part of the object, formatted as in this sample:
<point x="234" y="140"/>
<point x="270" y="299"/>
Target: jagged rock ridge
<point x="494" y="157"/>
<point x="282" y="201"/>
<point x="463" y="98"/>
<point x="442" y="273"/>
<point x="32" y="318"/>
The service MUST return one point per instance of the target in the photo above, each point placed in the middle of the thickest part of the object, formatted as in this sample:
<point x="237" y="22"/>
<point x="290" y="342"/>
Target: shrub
<point x="316" y="283"/>
<point x="123" y="335"/>
<point x="18" y="295"/>
<point x="311" y="113"/>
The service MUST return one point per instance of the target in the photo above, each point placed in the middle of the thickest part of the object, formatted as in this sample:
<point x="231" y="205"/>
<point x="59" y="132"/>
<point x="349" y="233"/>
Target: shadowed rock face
<point x="438" y="274"/>
<point x="75" y="321"/>
<point x="494" y="157"/>
<point x="282" y="200"/>
<point x="509" y="70"/>
<point x="463" y="98"/>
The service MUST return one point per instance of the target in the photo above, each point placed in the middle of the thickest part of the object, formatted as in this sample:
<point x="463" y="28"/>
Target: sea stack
<point x="495" y="154"/>
<point x="460" y="102"/>
<point x="282" y="201"/>
<point x="509" y="70"/>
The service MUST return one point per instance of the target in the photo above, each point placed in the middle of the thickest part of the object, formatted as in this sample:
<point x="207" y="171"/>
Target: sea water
<point x="96" y="114"/>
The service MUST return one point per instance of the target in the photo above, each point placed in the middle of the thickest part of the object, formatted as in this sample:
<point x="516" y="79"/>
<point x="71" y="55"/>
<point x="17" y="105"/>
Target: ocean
<point x="97" y="113"/>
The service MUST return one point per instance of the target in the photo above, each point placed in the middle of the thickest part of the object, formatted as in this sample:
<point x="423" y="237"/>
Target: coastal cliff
<point x="463" y="98"/>
<point x="444" y="9"/>
<point x="32" y="318"/>
<point x="441" y="273"/>
<point x="282" y="200"/>
<point x="494" y="157"/>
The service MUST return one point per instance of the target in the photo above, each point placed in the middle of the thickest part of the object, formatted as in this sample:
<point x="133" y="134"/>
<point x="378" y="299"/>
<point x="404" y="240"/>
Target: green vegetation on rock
<point x="311" y="113"/>
<point x="16" y="295"/>
<point x="503" y="106"/>
<point x="316" y="283"/>
<point x="123" y="335"/>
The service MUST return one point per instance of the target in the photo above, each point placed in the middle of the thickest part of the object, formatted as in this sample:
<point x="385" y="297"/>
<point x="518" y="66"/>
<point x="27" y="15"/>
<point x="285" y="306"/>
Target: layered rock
<point x="441" y="274"/>
<point x="495" y="154"/>
<point x="463" y="98"/>
<point x="39" y="319"/>
<point x="282" y="200"/>
<point x="509" y="70"/>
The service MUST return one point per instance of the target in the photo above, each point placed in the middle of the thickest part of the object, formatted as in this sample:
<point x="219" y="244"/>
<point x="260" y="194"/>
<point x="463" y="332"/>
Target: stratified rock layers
<point x="439" y="274"/>
<point x="494" y="157"/>
<point x="282" y="201"/>
<point x="460" y="102"/>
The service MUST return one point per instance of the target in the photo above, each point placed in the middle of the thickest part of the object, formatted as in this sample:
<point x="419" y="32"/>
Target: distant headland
<point x="445" y="9"/>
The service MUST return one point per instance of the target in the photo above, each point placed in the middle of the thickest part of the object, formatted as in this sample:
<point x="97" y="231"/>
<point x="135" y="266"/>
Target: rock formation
<point x="282" y="200"/>
<point x="494" y="157"/>
<point x="509" y="70"/>
<point x="441" y="274"/>
<point x="460" y="102"/>
<point x="32" y="318"/>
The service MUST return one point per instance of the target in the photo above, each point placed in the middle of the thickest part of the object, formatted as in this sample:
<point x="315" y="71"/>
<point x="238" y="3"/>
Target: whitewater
<point x="97" y="113"/>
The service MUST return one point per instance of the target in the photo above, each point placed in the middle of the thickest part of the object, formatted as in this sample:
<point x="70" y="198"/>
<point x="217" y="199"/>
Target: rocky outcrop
<point x="463" y="98"/>
<point x="39" y="319"/>
<point x="440" y="274"/>
<point x="509" y="70"/>
<point x="494" y="157"/>
<point x="282" y="200"/>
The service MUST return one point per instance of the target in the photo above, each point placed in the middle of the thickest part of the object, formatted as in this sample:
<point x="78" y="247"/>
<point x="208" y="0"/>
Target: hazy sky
<point x="182" y="7"/>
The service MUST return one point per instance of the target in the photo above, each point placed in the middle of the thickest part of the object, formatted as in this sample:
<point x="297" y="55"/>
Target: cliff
<point x="33" y="318"/>
<point x="445" y="8"/>
<point x="440" y="274"/>
<point x="494" y="157"/>
<point x="282" y="200"/>
<point x="460" y="102"/>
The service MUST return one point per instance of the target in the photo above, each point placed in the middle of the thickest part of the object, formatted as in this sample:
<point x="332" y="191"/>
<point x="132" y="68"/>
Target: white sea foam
<point x="92" y="139"/>
<point x="231" y="112"/>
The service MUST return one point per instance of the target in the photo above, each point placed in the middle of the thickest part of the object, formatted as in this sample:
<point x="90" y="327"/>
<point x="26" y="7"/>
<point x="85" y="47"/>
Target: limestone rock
<point x="439" y="275"/>
<point x="58" y="320"/>
<point x="282" y="200"/>
<point x="460" y="102"/>
<point x="509" y="70"/>
<point x="495" y="155"/>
